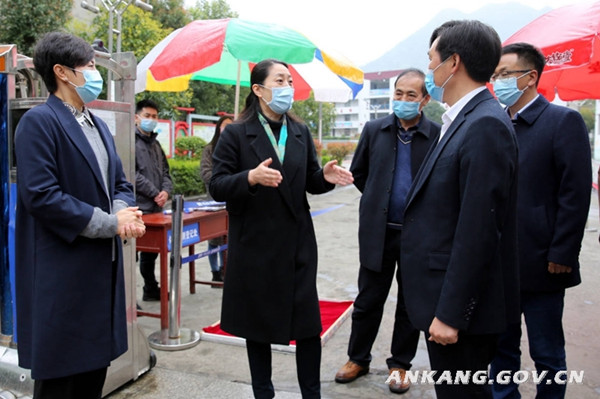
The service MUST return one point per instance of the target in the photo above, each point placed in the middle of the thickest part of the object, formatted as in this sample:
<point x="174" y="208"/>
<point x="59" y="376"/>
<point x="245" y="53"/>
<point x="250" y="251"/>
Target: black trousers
<point x="308" y="368"/>
<point x="373" y="290"/>
<point x="86" y="385"/>
<point x="471" y="353"/>
<point x="147" y="261"/>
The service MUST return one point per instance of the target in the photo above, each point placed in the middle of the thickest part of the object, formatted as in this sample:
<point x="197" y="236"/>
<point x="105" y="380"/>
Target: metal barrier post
<point x="175" y="338"/>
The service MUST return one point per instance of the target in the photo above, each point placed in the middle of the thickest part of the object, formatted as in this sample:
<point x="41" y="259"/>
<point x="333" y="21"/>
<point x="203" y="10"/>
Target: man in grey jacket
<point x="153" y="183"/>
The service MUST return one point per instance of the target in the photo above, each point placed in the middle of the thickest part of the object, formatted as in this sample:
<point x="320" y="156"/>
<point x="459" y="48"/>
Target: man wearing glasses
<point x="554" y="186"/>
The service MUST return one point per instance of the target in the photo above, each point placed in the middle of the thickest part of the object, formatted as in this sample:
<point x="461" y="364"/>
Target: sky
<point x="360" y="30"/>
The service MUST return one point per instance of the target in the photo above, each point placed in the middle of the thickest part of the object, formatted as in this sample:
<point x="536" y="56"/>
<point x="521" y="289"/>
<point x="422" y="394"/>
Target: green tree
<point x="140" y="31"/>
<point x="587" y="110"/>
<point x="171" y="13"/>
<point x="23" y="22"/>
<point x="210" y="98"/>
<point x="167" y="101"/>
<point x="308" y="111"/>
<point x="433" y="111"/>
<point x="215" y="9"/>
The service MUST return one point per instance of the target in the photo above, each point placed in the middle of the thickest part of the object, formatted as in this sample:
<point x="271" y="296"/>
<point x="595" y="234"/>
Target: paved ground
<point x="214" y="370"/>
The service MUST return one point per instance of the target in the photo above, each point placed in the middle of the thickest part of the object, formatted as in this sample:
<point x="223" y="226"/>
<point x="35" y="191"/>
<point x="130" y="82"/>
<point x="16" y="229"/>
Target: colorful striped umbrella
<point x="224" y="50"/>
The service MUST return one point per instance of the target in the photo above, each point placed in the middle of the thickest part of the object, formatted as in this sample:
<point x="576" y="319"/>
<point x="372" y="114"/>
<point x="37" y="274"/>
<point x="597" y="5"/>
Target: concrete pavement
<point x="214" y="370"/>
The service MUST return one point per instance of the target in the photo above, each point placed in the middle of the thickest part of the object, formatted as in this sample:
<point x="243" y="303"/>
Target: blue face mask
<point x="436" y="92"/>
<point x="507" y="91"/>
<point x="92" y="87"/>
<point x="406" y="110"/>
<point x="148" y="125"/>
<point x="281" y="100"/>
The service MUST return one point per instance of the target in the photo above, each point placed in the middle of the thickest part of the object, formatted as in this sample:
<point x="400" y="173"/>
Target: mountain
<point x="506" y="18"/>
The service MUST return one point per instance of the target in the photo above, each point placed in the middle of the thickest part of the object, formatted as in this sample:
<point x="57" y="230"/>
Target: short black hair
<point x="438" y="31"/>
<point x="415" y="72"/>
<point x="63" y="49"/>
<point x="529" y="55"/>
<point x="477" y="44"/>
<point x="147" y="103"/>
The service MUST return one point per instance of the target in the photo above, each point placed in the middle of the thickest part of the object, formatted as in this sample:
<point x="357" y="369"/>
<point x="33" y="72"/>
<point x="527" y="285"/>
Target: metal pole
<point x="174" y="293"/>
<point x="109" y="90"/>
<point x="236" y="109"/>
<point x="175" y="338"/>
<point x="320" y="122"/>
<point x="119" y="27"/>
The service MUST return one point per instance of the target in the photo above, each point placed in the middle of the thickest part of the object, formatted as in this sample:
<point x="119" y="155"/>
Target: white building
<point x="372" y="102"/>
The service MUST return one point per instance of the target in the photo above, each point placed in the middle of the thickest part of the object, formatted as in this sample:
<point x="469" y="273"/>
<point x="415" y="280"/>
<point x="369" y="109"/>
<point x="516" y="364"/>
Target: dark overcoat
<point x="459" y="242"/>
<point x="270" y="292"/>
<point x="373" y="171"/>
<point x="70" y="293"/>
<point x="555" y="177"/>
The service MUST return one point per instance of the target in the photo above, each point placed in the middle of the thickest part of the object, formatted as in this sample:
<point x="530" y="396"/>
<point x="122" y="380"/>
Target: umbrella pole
<point x="237" y="90"/>
<point x="321" y="122"/>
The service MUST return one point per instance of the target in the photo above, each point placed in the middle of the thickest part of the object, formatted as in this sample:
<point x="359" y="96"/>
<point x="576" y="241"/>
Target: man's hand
<point x="555" y="268"/>
<point x="442" y="333"/>
<point x="161" y="198"/>
<point x="264" y="175"/>
<point x="130" y="223"/>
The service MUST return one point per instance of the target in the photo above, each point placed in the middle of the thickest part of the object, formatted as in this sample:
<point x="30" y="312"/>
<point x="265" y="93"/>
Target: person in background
<point x="459" y="239"/>
<point x="555" y="176"/>
<point x="153" y="183"/>
<point x="74" y="206"/>
<point x="263" y="166"/>
<point x="215" y="260"/>
<point x="389" y="154"/>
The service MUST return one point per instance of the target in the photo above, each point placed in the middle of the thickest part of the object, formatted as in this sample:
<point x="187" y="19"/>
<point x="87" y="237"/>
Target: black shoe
<point x="152" y="294"/>
<point x="217" y="276"/>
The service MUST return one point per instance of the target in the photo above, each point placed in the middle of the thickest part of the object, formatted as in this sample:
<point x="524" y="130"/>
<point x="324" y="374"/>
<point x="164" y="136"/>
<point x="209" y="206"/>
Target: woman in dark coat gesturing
<point x="263" y="165"/>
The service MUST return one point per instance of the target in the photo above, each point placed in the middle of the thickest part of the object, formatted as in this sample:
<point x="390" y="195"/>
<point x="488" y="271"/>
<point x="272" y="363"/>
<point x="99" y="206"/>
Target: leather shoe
<point x="349" y="372"/>
<point x="399" y="386"/>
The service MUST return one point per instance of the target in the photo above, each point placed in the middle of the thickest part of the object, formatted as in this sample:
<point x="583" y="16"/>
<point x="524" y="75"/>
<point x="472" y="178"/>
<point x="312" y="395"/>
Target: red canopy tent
<point x="568" y="37"/>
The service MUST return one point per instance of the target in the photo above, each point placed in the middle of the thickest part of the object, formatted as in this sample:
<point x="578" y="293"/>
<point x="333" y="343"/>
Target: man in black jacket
<point x="388" y="156"/>
<point x="153" y="183"/>
<point x="555" y="177"/>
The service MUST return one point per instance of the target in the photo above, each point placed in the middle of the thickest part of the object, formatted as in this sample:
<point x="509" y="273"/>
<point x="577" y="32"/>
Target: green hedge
<point x="189" y="147"/>
<point x="186" y="177"/>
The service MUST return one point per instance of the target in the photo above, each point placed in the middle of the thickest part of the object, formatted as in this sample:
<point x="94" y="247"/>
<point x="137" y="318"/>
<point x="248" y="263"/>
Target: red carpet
<point x="333" y="313"/>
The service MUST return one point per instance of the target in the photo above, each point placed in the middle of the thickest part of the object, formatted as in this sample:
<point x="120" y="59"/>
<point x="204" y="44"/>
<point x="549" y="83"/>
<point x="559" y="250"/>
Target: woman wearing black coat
<point x="263" y="166"/>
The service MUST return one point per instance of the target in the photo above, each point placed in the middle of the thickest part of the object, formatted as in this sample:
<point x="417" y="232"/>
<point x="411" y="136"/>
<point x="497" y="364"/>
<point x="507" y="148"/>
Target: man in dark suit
<point x="388" y="156"/>
<point x="555" y="178"/>
<point x="458" y="258"/>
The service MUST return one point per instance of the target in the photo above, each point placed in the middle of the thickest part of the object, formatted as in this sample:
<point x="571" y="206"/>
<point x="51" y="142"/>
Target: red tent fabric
<point x="568" y="37"/>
